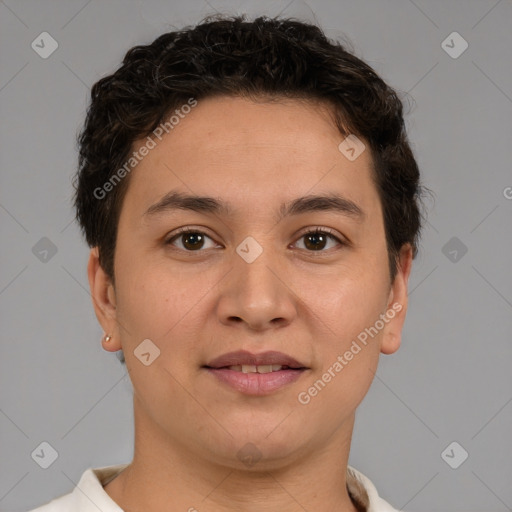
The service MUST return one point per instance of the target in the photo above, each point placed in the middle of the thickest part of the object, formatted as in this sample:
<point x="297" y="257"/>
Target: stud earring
<point x="107" y="337"/>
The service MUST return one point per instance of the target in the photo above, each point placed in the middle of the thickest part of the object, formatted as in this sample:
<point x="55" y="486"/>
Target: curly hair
<point x="269" y="58"/>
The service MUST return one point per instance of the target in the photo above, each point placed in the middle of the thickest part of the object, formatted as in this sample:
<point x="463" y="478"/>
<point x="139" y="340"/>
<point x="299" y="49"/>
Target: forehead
<point x="230" y="122"/>
<point x="249" y="150"/>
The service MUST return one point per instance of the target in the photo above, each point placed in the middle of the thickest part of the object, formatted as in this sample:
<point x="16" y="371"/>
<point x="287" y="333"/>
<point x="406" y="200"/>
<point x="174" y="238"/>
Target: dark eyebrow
<point x="311" y="203"/>
<point x="316" y="203"/>
<point x="178" y="200"/>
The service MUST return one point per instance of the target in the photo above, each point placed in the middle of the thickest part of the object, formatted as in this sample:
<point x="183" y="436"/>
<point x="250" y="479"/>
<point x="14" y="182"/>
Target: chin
<point x="258" y="449"/>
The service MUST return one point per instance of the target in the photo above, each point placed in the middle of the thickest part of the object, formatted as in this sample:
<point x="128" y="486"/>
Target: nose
<point x="258" y="295"/>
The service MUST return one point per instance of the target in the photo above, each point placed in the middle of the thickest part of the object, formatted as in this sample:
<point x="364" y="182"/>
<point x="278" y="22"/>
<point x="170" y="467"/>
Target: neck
<point x="166" y="476"/>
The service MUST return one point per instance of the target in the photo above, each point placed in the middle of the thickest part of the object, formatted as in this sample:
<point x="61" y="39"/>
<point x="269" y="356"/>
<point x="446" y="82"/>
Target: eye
<point x="318" y="238"/>
<point x="194" y="240"/>
<point x="190" y="240"/>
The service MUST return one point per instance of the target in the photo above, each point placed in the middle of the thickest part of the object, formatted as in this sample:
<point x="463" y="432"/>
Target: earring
<point x="107" y="337"/>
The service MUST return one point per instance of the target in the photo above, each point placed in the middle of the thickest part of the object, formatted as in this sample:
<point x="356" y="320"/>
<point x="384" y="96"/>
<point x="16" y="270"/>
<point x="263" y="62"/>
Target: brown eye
<point x="315" y="241"/>
<point x="318" y="240"/>
<point x="190" y="240"/>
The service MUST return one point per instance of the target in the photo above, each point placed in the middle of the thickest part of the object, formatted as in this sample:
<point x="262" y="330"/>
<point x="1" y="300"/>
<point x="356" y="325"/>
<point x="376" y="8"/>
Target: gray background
<point x="451" y="379"/>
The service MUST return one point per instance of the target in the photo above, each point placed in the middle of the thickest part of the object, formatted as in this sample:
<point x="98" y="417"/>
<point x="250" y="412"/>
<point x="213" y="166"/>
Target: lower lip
<point x="256" y="383"/>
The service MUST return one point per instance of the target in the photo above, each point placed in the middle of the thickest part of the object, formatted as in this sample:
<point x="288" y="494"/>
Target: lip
<point x="243" y="357"/>
<point x="255" y="384"/>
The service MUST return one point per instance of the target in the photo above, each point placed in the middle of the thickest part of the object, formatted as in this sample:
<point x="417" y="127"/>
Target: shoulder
<point x="88" y="495"/>
<point x="365" y="494"/>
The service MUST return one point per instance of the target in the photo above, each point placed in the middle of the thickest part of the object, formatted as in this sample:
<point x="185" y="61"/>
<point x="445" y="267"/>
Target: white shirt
<point x="89" y="495"/>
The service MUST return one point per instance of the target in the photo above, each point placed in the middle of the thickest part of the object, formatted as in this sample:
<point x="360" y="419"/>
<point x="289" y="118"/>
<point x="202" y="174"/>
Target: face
<point x="265" y="269"/>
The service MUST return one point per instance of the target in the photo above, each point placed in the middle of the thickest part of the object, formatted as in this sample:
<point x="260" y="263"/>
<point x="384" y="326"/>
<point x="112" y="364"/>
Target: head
<point x="250" y="118"/>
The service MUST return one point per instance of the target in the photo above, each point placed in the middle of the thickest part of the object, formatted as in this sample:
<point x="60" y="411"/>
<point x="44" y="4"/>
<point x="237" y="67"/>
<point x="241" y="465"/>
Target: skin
<point x="197" y="305"/>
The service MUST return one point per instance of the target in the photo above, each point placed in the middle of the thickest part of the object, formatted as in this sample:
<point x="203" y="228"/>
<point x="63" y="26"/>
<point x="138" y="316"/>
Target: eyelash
<point x="314" y="231"/>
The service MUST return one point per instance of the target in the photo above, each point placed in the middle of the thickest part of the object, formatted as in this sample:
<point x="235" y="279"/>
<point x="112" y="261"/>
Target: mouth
<point x="261" y="368"/>
<point x="255" y="374"/>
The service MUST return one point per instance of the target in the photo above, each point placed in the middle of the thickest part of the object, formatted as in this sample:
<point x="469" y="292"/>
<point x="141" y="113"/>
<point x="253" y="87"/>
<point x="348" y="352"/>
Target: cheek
<point x="348" y="333"/>
<point x="156" y="304"/>
<point x="349" y="301"/>
<point x="154" y="298"/>
<point x="170" y="309"/>
<point x="347" y="357"/>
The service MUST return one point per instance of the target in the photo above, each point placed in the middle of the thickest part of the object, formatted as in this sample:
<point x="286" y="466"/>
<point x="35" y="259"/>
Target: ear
<point x="397" y="303"/>
<point x="104" y="301"/>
